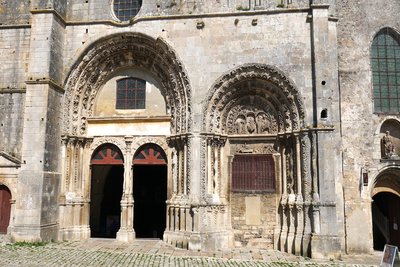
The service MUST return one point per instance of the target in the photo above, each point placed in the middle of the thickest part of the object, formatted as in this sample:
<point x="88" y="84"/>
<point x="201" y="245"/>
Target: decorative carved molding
<point x="253" y="148"/>
<point x="161" y="142"/>
<point x="126" y="50"/>
<point x="306" y="165"/>
<point x="253" y="84"/>
<point x="117" y="141"/>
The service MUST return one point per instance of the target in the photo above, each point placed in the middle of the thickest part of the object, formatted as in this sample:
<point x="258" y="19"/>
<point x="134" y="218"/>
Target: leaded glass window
<point x="126" y="9"/>
<point x="131" y="93"/>
<point x="385" y="63"/>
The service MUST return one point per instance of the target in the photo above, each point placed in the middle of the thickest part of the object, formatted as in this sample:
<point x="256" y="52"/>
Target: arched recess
<point x="5" y="208"/>
<point x="107" y="167"/>
<point x="386" y="208"/>
<point x="390" y="139"/>
<point x="124" y="50"/>
<point x="260" y="113"/>
<point x="257" y="86"/>
<point x="150" y="191"/>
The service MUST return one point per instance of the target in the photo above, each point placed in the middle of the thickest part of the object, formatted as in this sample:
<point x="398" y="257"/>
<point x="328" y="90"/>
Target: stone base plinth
<point x="209" y="241"/>
<point x="325" y="247"/>
<point x="29" y="233"/>
<point x="126" y="235"/>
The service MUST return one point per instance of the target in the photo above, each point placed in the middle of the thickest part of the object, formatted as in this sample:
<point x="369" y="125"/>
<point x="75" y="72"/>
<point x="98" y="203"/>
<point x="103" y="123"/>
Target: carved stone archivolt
<point x="121" y="51"/>
<point x="161" y="142"/>
<point x="253" y="99"/>
<point x="117" y="141"/>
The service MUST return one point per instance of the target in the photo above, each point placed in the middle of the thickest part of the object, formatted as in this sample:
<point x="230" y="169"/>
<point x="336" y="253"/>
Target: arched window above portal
<point x="385" y="65"/>
<point x="130" y="93"/>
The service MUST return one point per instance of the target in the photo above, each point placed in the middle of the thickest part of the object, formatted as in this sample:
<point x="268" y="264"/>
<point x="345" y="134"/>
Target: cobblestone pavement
<point x="102" y="252"/>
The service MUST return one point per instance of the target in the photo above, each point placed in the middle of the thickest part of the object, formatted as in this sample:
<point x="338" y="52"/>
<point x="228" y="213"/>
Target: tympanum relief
<point x="251" y="120"/>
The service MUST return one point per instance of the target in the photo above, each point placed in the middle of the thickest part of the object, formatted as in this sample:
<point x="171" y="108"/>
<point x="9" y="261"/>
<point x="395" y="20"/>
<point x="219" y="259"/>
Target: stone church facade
<point x="208" y="124"/>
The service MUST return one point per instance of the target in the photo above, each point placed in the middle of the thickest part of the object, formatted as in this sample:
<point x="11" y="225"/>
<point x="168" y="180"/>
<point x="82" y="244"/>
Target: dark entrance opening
<point x="5" y="208"/>
<point x="150" y="192"/>
<point x="106" y="191"/>
<point x="386" y="219"/>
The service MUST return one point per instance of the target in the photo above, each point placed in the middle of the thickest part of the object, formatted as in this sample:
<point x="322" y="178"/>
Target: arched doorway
<point x="107" y="176"/>
<point x="150" y="191"/>
<point x="5" y="208"/>
<point x="386" y="209"/>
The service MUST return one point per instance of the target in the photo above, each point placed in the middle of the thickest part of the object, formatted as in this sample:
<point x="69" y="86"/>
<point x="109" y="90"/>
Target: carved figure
<point x="262" y="123"/>
<point x="240" y="125"/>
<point x="388" y="145"/>
<point x="250" y="124"/>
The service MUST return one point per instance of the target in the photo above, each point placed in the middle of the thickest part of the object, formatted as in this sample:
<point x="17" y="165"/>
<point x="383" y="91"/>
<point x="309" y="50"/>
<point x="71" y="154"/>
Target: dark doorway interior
<point x="5" y="208"/>
<point x="150" y="194"/>
<point x="106" y="193"/>
<point x="386" y="219"/>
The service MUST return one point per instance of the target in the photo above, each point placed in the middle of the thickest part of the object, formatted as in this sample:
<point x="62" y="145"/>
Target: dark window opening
<point x="131" y="93"/>
<point x="385" y="64"/>
<point x="253" y="173"/>
<point x="126" y="9"/>
<point x="324" y="114"/>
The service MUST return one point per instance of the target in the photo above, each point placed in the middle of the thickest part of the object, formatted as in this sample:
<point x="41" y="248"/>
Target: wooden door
<point x="5" y="208"/>
<point x="393" y="204"/>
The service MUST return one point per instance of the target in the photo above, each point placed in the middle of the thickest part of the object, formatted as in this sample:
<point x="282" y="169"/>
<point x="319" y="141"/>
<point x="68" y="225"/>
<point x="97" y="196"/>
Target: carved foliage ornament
<point x="121" y="51"/>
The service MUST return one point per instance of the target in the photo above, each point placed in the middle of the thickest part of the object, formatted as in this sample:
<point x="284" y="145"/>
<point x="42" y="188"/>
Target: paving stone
<point x="101" y="253"/>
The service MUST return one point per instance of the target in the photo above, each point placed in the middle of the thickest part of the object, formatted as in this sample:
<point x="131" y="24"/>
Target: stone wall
<point x="359" y="21"/>
<point x="254" y="218"/>
<point x="14" y="57"/>
<point x="14" y="12"/>
<point x="97" y="10"/>
<point x="11" y="122"/>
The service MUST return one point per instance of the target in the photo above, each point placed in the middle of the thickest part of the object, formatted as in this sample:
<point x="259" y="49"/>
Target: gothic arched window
<point x="385" y="64"/>
<point x="126" y="9"/>
<point x="131" y="93"/>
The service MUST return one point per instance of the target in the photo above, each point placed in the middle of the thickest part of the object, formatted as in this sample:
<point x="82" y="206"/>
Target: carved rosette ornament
<point x="125" y="50"/>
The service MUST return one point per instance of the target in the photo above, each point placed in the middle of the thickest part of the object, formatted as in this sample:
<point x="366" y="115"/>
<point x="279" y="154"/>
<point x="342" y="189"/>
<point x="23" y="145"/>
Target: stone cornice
<point x="134" y="119"/>
<point x="12" y="90"/>
<point x="49" y="82"/>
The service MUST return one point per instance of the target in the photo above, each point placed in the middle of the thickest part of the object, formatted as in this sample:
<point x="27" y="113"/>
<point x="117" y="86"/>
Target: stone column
<point x="299" y="200"/>
<point x="126" y="232"/>
<point x="307" y="191"/>
<point x="284" y="199"/>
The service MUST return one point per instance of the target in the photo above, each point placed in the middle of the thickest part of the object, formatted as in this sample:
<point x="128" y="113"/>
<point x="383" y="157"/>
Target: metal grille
<point x="126" y="9"/>
<point x="385" y="63"/>
<point x="131" y="93"/>
<point x="253" y="173"/>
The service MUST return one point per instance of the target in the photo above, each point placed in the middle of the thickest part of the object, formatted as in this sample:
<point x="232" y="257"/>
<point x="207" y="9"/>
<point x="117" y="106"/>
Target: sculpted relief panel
<point x="251" y="120"/>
